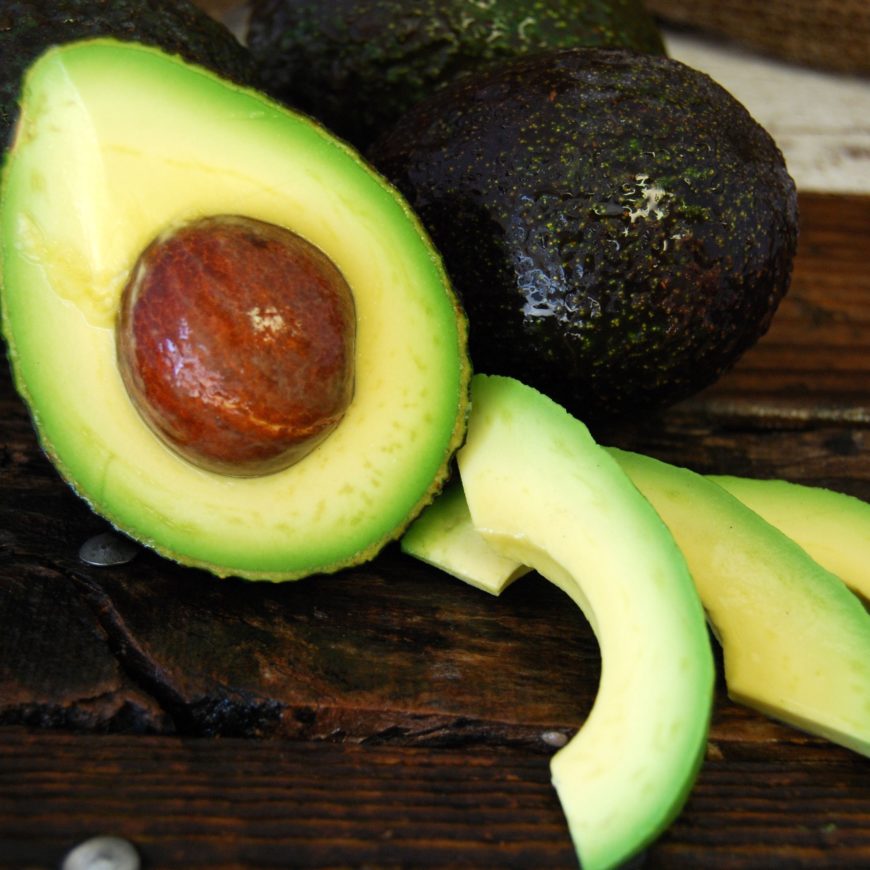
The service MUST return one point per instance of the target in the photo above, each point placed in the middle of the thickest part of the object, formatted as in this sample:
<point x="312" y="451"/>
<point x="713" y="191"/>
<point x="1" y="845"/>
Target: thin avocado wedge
<point x="444" y="536"/>
<point x="833" y="527"/>
<point x="542" y="492"/>
<point x="796" y="640"/>
<point x="118" y="142"/>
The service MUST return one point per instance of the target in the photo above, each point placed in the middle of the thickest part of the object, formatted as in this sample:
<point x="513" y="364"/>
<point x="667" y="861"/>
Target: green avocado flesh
<point x="116" y="143"/>
<point x="444" y="536"/>
<point x="541" y="493"/>
<point x="29" y="27"/>
<point x="796" y="641"/>
<point x="834" y="528"/>
<point x="618" y="227"/>
<point x="358" y="65"/>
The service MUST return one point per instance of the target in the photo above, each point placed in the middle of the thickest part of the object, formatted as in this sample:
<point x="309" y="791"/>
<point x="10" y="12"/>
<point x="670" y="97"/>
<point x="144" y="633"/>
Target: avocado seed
<point x="235" y="341"/>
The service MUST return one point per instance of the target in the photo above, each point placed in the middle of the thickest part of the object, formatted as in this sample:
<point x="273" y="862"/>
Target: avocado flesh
<point x="834" y="528"/>
<point x="796" y="641"/>
<point x="620" y="230"/>
<point x="444" y="536"/>
<point x="543" y="493"/>
<point x="358" y="65"/>
<point x="176" y="26"/>
<point x="118" y="142"/>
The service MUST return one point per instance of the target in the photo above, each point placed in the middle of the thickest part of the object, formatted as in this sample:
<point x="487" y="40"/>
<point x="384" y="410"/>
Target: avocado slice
<point x="358" y="65"/>
<point x="29" y="27"/>
<point x="118" y="142"/>
<point x="796" y="640"/>
<point x="780" y="579"/>
<point x="833" y="527"/>
<point x="619" y="228"/>
<point x="444" y="536"/>
<point x="566" y="509"/>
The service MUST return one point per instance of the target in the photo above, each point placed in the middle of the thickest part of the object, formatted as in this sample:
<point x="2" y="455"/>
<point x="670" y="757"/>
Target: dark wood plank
<point x="200" y="803"/>
<point x="245" y="803"/>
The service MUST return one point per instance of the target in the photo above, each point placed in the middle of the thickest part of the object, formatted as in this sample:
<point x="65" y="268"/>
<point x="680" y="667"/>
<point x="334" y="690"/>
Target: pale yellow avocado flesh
<point x="795" y="639"/>
<point x="118" y="142"/>
<point x="834" y="528"/>
<point x="543" y="494"/>
<point x="445" y="537"/>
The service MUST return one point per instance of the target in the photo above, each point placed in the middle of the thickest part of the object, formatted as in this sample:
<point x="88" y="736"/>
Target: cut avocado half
<point x="795" y="639"/>
<point x="834" y="528"/>
<point x="566" y="509"/>
<point x="118" y="142"/>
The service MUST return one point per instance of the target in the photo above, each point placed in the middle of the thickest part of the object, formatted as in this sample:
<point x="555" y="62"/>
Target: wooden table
<point x="391" y="716"/>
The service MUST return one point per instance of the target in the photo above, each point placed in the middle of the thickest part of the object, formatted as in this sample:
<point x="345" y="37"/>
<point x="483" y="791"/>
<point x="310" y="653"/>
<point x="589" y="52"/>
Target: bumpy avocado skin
<point x="357" y="65"/>
<point x="28" y="27"/>
<point x="619" y="228"/>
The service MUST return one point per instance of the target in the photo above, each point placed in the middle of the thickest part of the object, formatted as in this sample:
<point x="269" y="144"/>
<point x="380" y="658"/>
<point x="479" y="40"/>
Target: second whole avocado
<point x="618" y="226"/>
<point x="357" y="65"/>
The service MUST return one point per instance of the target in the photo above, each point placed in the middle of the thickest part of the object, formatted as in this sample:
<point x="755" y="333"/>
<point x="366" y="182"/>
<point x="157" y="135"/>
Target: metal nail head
<point x="107" y="549"/>
<point x="102" y="853"/>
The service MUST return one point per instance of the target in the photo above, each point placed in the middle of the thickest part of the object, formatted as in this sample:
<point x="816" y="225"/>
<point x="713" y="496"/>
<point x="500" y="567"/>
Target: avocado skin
<point x="357" y="65"/>
<point x="533" y="178"/>
<point x="29" y="27"/>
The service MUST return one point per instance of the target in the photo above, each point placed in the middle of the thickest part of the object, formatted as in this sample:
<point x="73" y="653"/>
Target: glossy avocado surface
<point x="619" y="228"/>
<point x="359" y="64"/>
<point x="28" y="27"/>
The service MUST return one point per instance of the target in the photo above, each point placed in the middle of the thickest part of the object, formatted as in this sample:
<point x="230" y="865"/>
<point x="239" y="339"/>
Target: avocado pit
<point x="235" y="341"/>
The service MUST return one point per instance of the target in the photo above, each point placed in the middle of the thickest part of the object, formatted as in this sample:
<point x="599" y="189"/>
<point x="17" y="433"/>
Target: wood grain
<point x="389" y="716"/>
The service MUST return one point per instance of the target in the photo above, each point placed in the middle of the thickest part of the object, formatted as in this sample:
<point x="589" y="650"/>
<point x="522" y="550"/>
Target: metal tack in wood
<point x="102" y="853"/>
<point x="108" y="548"/>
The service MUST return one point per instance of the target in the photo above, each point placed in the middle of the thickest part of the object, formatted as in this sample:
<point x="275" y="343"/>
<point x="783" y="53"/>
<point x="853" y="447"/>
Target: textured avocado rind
<point x="29" y="27"/>
<point x="357" y="65"/>
<point x="619" y="228"/>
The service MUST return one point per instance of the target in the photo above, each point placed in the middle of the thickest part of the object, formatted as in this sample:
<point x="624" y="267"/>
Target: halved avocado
<point x="117" y="143"/>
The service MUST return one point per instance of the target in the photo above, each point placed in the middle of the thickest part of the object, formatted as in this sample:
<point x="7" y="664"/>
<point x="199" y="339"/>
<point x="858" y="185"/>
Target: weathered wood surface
<point x="390" y="716"/>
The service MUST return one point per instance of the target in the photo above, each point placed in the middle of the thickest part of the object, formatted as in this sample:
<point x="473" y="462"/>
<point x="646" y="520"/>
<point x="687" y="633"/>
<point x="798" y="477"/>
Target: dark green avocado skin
<point x="29" y="27"/>
<point x="619" y="228"/>
<point x="357" y="65"/>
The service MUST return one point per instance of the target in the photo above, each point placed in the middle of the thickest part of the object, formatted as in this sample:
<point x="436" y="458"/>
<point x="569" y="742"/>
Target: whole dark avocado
<point x="357" y="65"/>
<point x="619" y="228"/>
<point x="29" y="27"/>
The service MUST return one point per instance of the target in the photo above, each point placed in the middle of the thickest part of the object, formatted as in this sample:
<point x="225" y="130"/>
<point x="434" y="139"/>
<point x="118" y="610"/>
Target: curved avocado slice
<point x="542" y="492"/>
<point x="796" y="641"/>
<point x="834" y="528"/>
<point x="117" y="142"/>
<point x="358" y="65"/>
